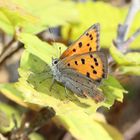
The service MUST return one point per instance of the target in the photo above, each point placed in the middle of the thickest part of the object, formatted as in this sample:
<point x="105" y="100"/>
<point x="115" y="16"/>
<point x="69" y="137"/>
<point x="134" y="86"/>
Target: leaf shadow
<point x="42" y="82"/>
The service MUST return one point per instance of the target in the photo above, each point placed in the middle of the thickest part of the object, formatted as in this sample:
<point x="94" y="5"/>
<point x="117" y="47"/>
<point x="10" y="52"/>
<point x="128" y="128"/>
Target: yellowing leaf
<point x="35" y="16"/>
<point x="13" y="16"/>
<point x="73" y="112"/>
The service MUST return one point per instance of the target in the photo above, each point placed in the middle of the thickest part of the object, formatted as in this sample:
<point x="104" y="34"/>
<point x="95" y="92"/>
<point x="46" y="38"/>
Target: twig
<point x="121" y="42"/>
<point x="13" y="47"/>
<point x="3" y="37"/>
<point x="39" y="120"/>
<point x="132" y="131"/>
<point x="123" y="29"/>
<point x="2" y="137"/>
<point x="5" y="48"/>
<point x="127" y="43"/>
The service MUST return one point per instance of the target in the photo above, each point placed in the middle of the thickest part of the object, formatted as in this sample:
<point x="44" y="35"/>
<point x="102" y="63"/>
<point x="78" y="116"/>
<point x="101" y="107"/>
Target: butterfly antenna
<point x="60" y="51"/>
<point x="52" y="37"/>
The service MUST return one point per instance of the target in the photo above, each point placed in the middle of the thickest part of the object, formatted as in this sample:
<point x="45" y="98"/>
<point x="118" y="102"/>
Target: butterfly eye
<point x="55" y="62"/>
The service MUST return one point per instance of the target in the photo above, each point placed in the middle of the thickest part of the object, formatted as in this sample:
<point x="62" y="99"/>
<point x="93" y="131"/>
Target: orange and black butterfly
<point x="82" y="66"/>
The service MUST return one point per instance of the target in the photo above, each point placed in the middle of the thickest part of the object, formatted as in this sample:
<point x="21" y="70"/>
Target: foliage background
<point x="25" y="39"/>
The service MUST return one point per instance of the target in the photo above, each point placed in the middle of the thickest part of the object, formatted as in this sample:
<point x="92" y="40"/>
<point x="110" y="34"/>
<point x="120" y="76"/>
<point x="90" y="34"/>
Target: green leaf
<point x="113" y="90"/>
<point x="10" y="91"/>
<point x="70" y="115"/>
<point x="53" y="13"/>
<point x="37" y="47"/>
<point x="118" y="56"/>
<point x="131" y="59"/>
<point x="113" y="132"/>
<point x="130" y="70"/>
<point x="134" y="58"/>
<point x="36" y="136"/>
<point x="85" y="128"/>
<point x="4" y="120"/>
<point x="6" y="117"/>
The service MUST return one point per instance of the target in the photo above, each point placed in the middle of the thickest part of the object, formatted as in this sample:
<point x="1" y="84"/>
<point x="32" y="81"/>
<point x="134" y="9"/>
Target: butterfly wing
<point x="92" y="65"/>
<point x="81" y="85"/>
<point x="88" y="42"/>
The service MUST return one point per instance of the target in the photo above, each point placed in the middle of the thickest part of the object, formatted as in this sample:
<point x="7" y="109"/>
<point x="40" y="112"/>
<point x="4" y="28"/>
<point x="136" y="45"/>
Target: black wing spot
<point x="90" y="80"/>
<point x="68" y="64"/>
<point x="96" y="64"/>
<point x="83" y="61"/>
<point x="88" y="74"/>
<point x="74" y="50"/>
<point x="99" y="80"/>
<point x="87" y="34"/>
<point x="94" y="27"/>
<point x="76" y="63"/>
<point x="80" y="44"/>
<point x="91" y="37"/>
<point x="91" y="55"/>
<point x="90" y="49"/>
<point x="97" y="41"/>
<point x="94" y="71"/>
<point x="103" y="75"/>
<point x="95" y="60"/>
<point x="97" y="35"/>
<point x="88" y="44"/>
<point x="92" y="66"/>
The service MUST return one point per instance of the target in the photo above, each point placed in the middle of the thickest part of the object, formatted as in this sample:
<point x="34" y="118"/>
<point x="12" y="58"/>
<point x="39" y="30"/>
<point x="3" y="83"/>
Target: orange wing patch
<point x="88" y="42"/>
<point x="92" y="65"/>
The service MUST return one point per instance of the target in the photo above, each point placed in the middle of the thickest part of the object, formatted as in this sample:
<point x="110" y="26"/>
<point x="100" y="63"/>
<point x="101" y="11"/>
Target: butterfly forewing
<point x="88" y="42"/>
<point x="92" y="65"/>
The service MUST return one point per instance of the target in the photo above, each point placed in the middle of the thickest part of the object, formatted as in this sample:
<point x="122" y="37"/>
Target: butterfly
<point x="81" y="67"/>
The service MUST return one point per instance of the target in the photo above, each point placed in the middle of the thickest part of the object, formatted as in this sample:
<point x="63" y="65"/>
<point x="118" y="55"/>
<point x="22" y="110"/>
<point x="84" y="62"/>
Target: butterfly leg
<point x="53" y="81"/>
<point x="44" y="72"/>
<point x="66" y="90"/>
<point x="44" y="79"/>
<point x="67" y="95"/>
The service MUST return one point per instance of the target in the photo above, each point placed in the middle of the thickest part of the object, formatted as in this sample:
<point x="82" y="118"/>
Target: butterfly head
<point x="54" y="61"/>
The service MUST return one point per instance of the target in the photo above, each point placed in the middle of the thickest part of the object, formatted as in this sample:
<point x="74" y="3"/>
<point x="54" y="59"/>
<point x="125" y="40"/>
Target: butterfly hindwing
<point x="81" y="85"/>
<point x="88" y="42"/>
<point x="93" y="65"/>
